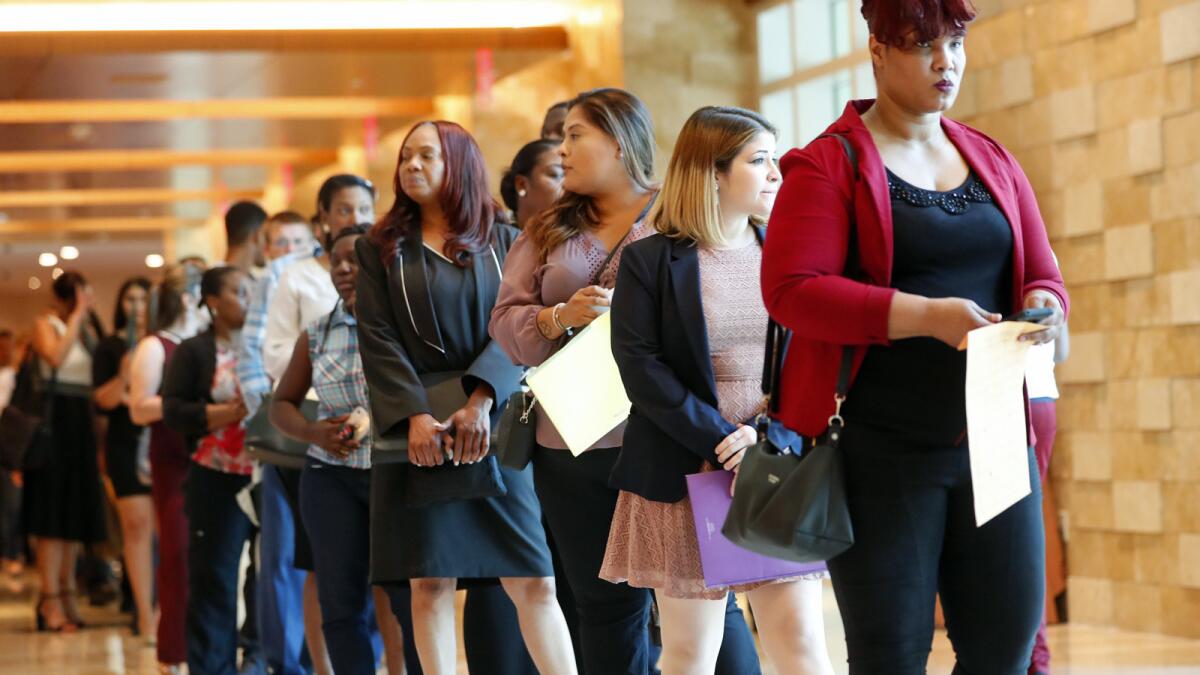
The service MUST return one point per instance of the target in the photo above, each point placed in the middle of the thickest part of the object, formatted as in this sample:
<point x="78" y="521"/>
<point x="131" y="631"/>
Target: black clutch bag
<point x="426" y="485"/>
<point x="445" y="394"/>
<point x="266" y="444"/>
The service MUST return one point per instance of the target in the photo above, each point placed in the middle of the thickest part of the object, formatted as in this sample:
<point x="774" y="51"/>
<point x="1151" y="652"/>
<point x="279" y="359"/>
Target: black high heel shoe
<point x="43" y="625"/>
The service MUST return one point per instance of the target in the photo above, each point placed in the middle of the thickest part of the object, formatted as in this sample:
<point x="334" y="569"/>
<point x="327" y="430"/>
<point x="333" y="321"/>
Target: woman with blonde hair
<point x="695" y="285"/>
<point x="558" y="278"/>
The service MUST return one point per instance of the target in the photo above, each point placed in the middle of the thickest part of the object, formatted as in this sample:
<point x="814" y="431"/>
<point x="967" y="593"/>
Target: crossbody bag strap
<point x="612" y="253"/>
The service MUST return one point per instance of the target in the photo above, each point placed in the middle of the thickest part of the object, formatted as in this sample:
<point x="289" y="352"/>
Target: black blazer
<point x="403" y="336"/>
<point x="187" y="387"/>
<point x="660" y="343"/>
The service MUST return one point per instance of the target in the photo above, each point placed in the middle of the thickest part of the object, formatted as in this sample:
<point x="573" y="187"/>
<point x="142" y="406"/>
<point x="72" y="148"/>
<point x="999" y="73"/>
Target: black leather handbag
<point x="516" y="435"/>
<point x="788" y="505"/>
<point x="266" y="444"/>
<point x="26" y="439"/>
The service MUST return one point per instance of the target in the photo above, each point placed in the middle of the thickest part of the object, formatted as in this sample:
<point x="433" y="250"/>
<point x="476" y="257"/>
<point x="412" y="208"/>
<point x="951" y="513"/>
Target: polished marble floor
<point x="107" y="647"/>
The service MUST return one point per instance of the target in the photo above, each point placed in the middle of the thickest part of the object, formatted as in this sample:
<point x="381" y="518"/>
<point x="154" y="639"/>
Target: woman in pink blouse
<point x="557" y="279"/>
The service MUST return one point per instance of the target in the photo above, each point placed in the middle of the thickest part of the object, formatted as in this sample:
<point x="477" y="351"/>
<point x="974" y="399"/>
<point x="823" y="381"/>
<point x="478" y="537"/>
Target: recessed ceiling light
<point x="34" y="283"/>
<point x="47" y="260"/>
<point x="56" y="273"/>
<point x="68" y="253"/>
<point x="314" y="15"/>
<point x="154" y="261"/>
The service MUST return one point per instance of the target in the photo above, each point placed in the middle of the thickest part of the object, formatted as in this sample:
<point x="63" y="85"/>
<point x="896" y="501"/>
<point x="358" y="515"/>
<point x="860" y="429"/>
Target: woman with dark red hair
<point x="897" y="244"/>
<point x="428" y="277"/>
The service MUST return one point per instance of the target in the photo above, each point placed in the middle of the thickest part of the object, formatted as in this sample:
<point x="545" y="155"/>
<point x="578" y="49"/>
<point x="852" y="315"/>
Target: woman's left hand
<point x="472" y="432"/>
<point x="1053" y="324"/>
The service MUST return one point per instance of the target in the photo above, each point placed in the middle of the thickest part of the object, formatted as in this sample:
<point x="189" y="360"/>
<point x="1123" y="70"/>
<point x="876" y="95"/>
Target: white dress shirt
<point x="305" y="294"/>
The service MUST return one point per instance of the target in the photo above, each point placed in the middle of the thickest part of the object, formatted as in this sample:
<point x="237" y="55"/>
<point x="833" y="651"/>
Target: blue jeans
<point x="334" y="503"/>
<point x="280" y="586"/>
<point x="913" y="512"/>
<point x="217" y="532"/>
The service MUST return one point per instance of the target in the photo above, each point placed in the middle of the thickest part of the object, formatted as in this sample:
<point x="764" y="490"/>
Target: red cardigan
<point x="805" y="254"/>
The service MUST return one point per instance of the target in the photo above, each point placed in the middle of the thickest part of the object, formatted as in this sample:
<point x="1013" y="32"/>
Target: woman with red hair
<point x="897" y="238"/>
<point x="428" y="277"/>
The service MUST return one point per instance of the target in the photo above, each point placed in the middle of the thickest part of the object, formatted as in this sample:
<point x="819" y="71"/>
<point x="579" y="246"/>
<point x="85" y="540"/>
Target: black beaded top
<point x="955" y="202"/>
<point x="914" y="387"/>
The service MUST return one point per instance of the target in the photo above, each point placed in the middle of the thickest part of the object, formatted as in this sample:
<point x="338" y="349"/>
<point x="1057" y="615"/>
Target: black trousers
<point x="578" y="505"/>
<point x="915" y="537"/>
<point x="218" y="530"/>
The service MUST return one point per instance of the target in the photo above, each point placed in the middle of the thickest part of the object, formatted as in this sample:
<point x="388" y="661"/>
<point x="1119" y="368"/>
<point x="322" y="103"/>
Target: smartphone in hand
<point x="1034" y="315"/>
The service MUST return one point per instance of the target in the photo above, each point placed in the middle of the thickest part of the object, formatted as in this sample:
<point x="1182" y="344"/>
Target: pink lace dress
<point x="652" y="544"/>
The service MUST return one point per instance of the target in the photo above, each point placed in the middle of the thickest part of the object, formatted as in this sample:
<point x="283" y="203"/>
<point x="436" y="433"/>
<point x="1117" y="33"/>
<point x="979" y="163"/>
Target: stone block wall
<point x="1100" y="102"/>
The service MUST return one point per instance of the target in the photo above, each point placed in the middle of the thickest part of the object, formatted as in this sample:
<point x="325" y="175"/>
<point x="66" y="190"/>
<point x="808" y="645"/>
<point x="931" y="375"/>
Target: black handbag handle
<point x="778" y="337"/>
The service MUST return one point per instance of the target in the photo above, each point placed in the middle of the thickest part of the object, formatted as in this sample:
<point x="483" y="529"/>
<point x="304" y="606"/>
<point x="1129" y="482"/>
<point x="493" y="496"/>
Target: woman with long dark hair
<point x="63" y="505"/>
<point x="428" y="277"/>
<point x="897" y="240"/>
<point x="558" y="279"/>
<point x="126" y="453"/>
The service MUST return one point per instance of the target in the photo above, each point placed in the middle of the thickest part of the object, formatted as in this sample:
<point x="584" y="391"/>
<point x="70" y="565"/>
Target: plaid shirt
<point x="251" y="371"/>
<point x="338" y="379"/>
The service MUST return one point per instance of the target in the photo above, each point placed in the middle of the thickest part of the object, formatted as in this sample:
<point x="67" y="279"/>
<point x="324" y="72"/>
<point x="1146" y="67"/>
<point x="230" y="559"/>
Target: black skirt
<point x="474" y="540"/>
<point x="64" y="499"/>
<point x="121" y="460"/>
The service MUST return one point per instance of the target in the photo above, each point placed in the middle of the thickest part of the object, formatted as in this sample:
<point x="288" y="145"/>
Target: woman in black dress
<point x="64" y="505"/>
<point x="126" y="446"/>
<point x="428" y="277"/>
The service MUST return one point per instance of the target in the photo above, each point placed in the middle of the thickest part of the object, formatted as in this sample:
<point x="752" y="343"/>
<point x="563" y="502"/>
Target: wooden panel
<point x="326" y="107"/>
<point x="132" y="160"/>
<point x="81" y="225"/>
<point x="35" y="43"/>
<point x="119" y="196"/>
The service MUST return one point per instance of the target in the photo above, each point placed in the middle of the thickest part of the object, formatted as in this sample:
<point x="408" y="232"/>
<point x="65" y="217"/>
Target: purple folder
<point x="723" y="562"/>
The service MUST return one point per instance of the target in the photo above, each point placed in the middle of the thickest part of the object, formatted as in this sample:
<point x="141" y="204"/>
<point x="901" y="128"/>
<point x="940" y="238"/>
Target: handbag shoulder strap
<point x="612" y="253"/>
<point x="778" y="337"/>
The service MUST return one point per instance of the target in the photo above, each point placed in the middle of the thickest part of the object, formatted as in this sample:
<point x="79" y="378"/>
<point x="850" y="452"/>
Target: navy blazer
<point x="660" y="343"/>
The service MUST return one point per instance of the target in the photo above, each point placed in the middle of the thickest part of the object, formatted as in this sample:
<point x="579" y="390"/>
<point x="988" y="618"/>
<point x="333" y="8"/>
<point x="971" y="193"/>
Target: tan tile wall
<point x="680" y="55"/>
<point x="1100" y="101"/>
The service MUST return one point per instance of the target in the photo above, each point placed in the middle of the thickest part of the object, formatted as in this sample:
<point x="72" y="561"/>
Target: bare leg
<point x="692" y="631"/>
<point x="791" y="624"/>
<point x="542" y="624"/>
<point x="49" y="564"/>
<point x="390" y="631"/>
<point x="433" y="625"/>
<point x="313" y="634"/>
<point x="137" y="527"/>
<point x="66" y="579"/>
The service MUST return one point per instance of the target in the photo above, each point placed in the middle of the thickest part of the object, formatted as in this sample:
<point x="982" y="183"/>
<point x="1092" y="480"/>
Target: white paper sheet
<point x="996" y="417"/>
<point x="580" y="387"/>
